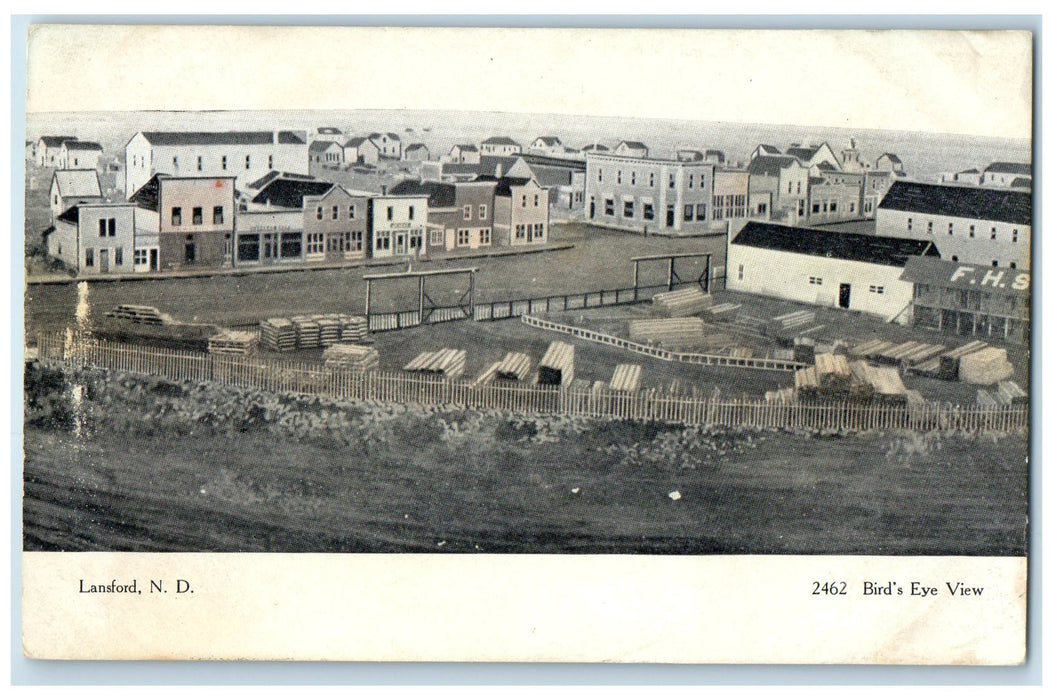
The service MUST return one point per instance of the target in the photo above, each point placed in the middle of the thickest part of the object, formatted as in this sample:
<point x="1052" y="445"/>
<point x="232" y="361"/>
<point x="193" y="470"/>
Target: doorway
<point x="104" y="260"/>
<point x="844" y="296"/>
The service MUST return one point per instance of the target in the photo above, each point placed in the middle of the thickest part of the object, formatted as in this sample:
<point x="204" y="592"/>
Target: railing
<point x="597" y="401"/>
<point x="764" y="363"/>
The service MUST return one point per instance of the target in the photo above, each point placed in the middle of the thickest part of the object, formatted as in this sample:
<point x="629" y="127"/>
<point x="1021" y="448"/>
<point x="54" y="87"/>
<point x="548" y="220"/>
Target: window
<point x="633" y="179"/>
<point x="929" y="229"/>
<point x="599" y="174"/>
<point x="177" y="216"/>
<point x="140" y="256"/>
<point x="391" y="213"/>
<point x="762" y="208"/>
<point x="198" y="216"/>
<point x="954" y="258"/>
<point x="537" y="200"/>
<point x="467" y="212"/>
<point x="315" y="243"/>
<point x="540" y="232"/>
<point x="190" y="250"/>
<point x="351" y="211"/>
<point x="336" y="213"/>
<point x="1012" y="266"/>
<point x="520" y="231"/>
<point x="852" y="207"/>
<point x="798" y="187"/>
<point x="1016" y="233"/>
<point x="435" y="239"/>
<point x="270" y="162"/>
<point x="524" y="200"/>
<point x="249" y="246"/>
<point x="651" y="179"/>
<point x="742" y="269"/>
<point x="357" y="240"/>
<point x="200" y="163"/>
<point x="118" y="256"/>
<point x="175" y="162"/>
<point x="833" y="206"/>
<point x="608" y="207"/>
<point x="223" y="162"/>
<point x="672" y="180"/>
<point x="292" y="245"/>
<point x="463" y="237"/>
<point x="910" y="223"/>
<point x="689" y="212"/>
<point x="89" y="257"/>
<point x="627" y="209"/>
<point x="700" y="212"/>
<point x="648" y="211"/>
<point x="691" y="181"/>
<point x="789" y="188"/>
<point x="877" y="289"/>
<point x="816" y="281"/>
<point x="815" y="208"/>
<point x="383" y="241"/>
<point x="950" y="228"/>
<point x="484" y="236"/>
<point x="248" y="162"/>
<point x="102" y="228"/>
<point x="482" y="211"/>
<point x="994" y="233"/>
<point x="619" y="177"/>
<point x="994" y="263"/>
<point x="217" y="215"/>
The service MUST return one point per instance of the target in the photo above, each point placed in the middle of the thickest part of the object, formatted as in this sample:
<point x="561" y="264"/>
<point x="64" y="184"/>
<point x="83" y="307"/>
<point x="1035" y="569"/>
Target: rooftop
<point x="879" y="250"/>
<point x="288" y="193"/>
<point x="82" y="146"/>
<point x="1010" y="206"/>
<point x="1010" y="168"/>
<point x="770" y="165"/>
<point x="77" y="183"/>
<point x="955" y="275"/>
<point x="500" y="141"/>
<point x="223" y="138"/>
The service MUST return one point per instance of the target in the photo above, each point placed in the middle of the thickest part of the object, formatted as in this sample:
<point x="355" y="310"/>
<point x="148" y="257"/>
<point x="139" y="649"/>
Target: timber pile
<point x="682" y="302"/>
<point x="1010" y="394"/>
<point x="358" y="358"/>
<point x="308" y="334"/>
<point x="626" y="377"/>
<point x="805" y="382"/>
<point x="804" y="350"/>
<point x="861" y="388"/>
<point x="905" y="353"/>
<point x="328" y="329"/>
<point x="228" y="342"/>
<point x="718" y="312"/>
<point x="676" y="332"/>
<point x="786" y="395"/>
<point x="557" y="365"/>
<point x="870" y="349"/>
<point x="887" y="383"/>
<point x="514" y="367"/>
<point x="786" y="326"/>
<point x="448" y="362"/>
<point x="139" y="314"/>
<point x="922" y="354"/>
<point x="278" y="334"/>
<point x="950" y="362"/>
<point x="488" y="374"/>
<point x="986" y="366"/>
<point x="832" y="374"/>
<point x="985" y="400"/>
<point x="353" y="328"/>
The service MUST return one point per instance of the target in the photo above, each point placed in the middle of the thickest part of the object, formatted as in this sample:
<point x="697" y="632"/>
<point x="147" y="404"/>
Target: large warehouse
<point x="828" y="268"/>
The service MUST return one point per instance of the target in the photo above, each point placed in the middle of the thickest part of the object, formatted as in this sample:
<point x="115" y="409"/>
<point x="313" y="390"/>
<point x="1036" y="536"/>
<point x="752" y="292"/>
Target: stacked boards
<point x="139" y="314"/>
<point x="626" y="377"/>
<point x="557" y="365"/>
<point x="311" y="331"/>
<point x="834" y="377"/>
<point x="515" y="367"/>
<point x="347" y="356"/>
<point x="448" y="362"/>
<point x="986" y="366"/>
<point x="682" y="302"/>
<point x="228" y="342"/>
<point x="679" y="333"/>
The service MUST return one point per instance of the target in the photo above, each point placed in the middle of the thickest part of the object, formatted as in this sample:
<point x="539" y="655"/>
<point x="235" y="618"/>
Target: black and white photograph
<point x="778" y="306"/>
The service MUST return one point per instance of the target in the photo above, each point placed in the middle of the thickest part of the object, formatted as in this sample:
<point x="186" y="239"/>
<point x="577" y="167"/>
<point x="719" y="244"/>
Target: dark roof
<point x="416" y="147"/>
<point x="262" y="182"/>
<point x="505" y="185"/>
<point x="634" y="144"/>
<point x="56" y="141"/>
<point x="321" y="146"/>
<point x="356" y="142"/>
<point x="548" y="176"/>
<point x="533" y="159"/>
<point x="802" y="152"/>
<point x="770" y="165"/>
<point x="715" y="152"/>
<point x="768" y="147"/>
<point x="288" y="193"/>
<point x="827" y="167"/>
<point x="971" y="276"/>
<point x="377" y="135"/>
<point x="82" y="146"/>
<point x="328" y="130"/>
<point x="891" y="156"/>
<point x="221" y="138"/>
<point x="970" y="171"/>
<point x="595" y="147"/>
<point x="1021" y="182"/>
<point x="548" y="140"/>
<point x="147" y="195"/>
<point x="465" y="147"/>
<point x="879" y="250"/>
<point x="500" y="141"/>
<point x="1010" y="206"/>
<point x="1011" y="168"/>
<point x="439" y="194"/>
<point x="71" y="215"/>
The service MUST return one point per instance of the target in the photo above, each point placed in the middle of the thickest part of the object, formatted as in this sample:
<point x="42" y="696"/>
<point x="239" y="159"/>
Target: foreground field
<point x="146" y="465"/>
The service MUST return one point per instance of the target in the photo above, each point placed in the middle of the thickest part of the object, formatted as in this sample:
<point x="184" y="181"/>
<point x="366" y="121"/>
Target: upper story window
<point x="351" y="211"/>
<point x="200" y="163"/>
<point x="482" y="211"/>
<point x="336" y="212"/>
<point x="467" y="212"/>
<point x="248" y="162"/>
<point x="411" y="212"/>
<point x="318" y="213"/>
<point x="177" y="216"/>
<point x="217" y="215"/>
<point x="391" y="213"/>
<point x="198" y="216"/>
<point x="223" y="162"/>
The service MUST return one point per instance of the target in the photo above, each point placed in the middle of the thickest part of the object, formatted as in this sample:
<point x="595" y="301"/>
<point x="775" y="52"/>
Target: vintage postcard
<point x="455" y="344"/>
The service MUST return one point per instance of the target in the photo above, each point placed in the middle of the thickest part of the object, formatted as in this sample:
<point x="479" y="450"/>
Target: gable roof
<point x="941" y="273"/>
<point x="892" y="157"/>
<point x="633" y="144"/>
<point x="770" y="165"/>
<point x="222" y="138"/>
<point x="82" y="146"/>
<point x="597" y="147"/>
<point x="802" y="152"/>
<point x="358" y="141"/>
<point x="329" y="130"/>
<point x="548" y="140"/>
<point x="322" y="146"/>
<point x="773" y="150"/>
<point x="500" y="141"/>
<point x="1020" y="182"/>
<point x="879" y="250"/>
<point x="71" y="215"/>
<point x="56" y="141"/>
<point x="1009" y="206"/>
<point x="272" y="175"/>
<point x="465" y="147"/>
<point x="439" y="194"/>
<point x="416" y="147"/>
<point x="1010" y="168"/>
<point x="390" y="135"/>
<point x="148" y="196"/>
<point x="77" y="183"/>
<point x="505" y="185"/>
<point x="288" y="193"/>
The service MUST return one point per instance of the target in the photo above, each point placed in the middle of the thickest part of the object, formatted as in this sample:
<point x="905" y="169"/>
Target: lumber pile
<point x="986" y="366"/>
<point x="353" y="328"/>
<point x="228" y="342"/>
<point x="788" y="325"/>
<point x="860" y="388"/>
<point x="682" y="302"/>
<point x="357" y="358"/>
<point x="557" y="364"/>
<point x="718" y="312"/>
<point x="985" y="400"/>
<point x="139" y="314"/>
<point x="870" y="349"/>
<point x="1009" y="393"/>
<point x="887" y="383"/>
<point x="626" y="377"/>
<point x="514" y="367"/>
<point x="951" y="361"/>
<point x="911" y="352"/>
<point x="488" y="374"/>
<point x="804" y="350"/>
<point x="787" y="395"/>
<point x="308" y="334"/>
<point x="922" y="354"/>
<point x="667" y="332"/>
<point x="832" y="374"/>
<point x="278" y="334"/>
<point x="328" y="330"/>
<point x="448" y="362"/>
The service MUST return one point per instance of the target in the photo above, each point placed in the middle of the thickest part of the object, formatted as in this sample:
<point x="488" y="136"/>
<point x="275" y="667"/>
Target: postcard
<point x="565" y="344"/>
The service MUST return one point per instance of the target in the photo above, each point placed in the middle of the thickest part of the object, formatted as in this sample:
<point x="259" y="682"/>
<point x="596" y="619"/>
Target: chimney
<point x="383" y="189"/>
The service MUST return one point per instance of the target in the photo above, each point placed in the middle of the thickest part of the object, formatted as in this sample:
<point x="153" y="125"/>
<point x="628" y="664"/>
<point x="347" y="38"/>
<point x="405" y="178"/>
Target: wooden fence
<point x="642" y="405"/>
<point x="693" y="358"/>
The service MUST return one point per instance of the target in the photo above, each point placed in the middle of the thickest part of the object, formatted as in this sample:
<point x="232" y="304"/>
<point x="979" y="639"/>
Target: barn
<point x="827" y="268"/>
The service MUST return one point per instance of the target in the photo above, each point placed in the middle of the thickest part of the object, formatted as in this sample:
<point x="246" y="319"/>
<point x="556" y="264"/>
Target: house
<point x="98" y="238"/>
<point x="335" y="225"/>
<point x="714" y="156"/>
<point x="765" y="149"/>
<point x="876" y="184"/>
<point x="288" y="192"/>
<point x="834" y="196"/>
<point x="890" y="162"/>
<point x="326" y="153"/>
<point x="649" y="194"/>
<point x="490" y="166"/>
<point x="521" y="212"/>
<point x="463" y="153"/>
<point x="269" y="229"/>
<point x="362" y="151"/>
<point x="631" y="149"/>
<point x="731" y="205"/>
<point x="416" y="151"/>
<point x="244" y="155"/>
<point x="79" y="154"/>
<point x="1021" y="183"/>
<point x="389" y="143"/>
<point x="69" y="187"/>
<point x="594" y="148"/>
<point x="31" y="151"/>
<point x="1001" y="174"/>
<point x="782" y="180"/>
<point x="48" y="149"/>
<point x="397" y="225"/>
<point x="191" y="219"/>
<point x="971" y="176"/>
<point x="826" y="268"/>
<point x="970" y="300"/>
<point x="547" y="146"/>
<point x="812" y="156"/>
<point x="459" y="215"/>
<point x="689" y="155"/>
<point x="971" y="225"/>
<point x="499" y="146"/>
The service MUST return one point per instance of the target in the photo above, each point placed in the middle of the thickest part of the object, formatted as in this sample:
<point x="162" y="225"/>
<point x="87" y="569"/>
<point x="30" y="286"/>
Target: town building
<point x="521" y="212"/>
<point x="361" y="151"/>
<point x="765" y="149"/>
<point x="876" y="184"/>
<point x="890" y="162"/>
<point x="834" y="196"/>
<point x="49" y="148"/>
<point x="335" y="225"/>
<point x="270" y="227"/>
<point x="416" y="152"/>
<point x="649" y="194"/>
<point x="326" y="153"/>
<point x="98" y="238"/>
<point x="972" y="225"/>
<point x="850" y="159"/>
<point x="69" y="187"/>
<point x="785" y="182"/>
<point x="397" y="225"/>
<point x="463" y="153"/>
<point x="731" y="199"/>
<point x="631" y="149"/>
<point x="79" y="154"/>
<point x="191" y="217"/>
<point x="389" y="143"/>
<point x="245" y="155"/>
<point x="459" y="214"/>
<point x="563" y="178"/>
<point x="1002" y="174"/>
<point x="970" y="300"/>
<point x="598" y="148"/>
<point x="547" y="146"/>
<point x="826" y="268"/>
<point x="499" y="146"/>
<point x="813" y="156"/>
<point x="327" y="133"/>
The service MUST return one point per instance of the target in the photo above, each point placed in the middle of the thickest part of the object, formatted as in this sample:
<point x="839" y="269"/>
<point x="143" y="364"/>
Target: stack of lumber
<point x="787" y="395"/>
<point x="804" y="350"/>
<point x="626" y="377"/>
<point x="557" y="364"/>
<point x="514" y="367"/>
<point x="139" y="314"/>
<point x="308" y="334"/>
<point x="914" y="398"/>
<point x="925" y="353"/>
<point x="805" y="382"/>
<point x="448" y="362"/>
<point x="986" y="366"/>
<point x="488" y="374"/>
<point x="329" y="329"/>
<point x="278" y="334"/>
<point x="721" y="311"/>
<point x="887" y="383"/>
<point x="910" y="352"/>
<point x="951" y="361"/>
<point x="861" y="388"/>
<point x="870" y="349"/>
<point x="359" y="358"/>
<point x="832" y="374"/>
<point x="788" y="325"/>
<point x="1010" y="393"/>
<point x="682" y="302"/>
<point x="228" y="342"/>
<point x="353" y="328"/>
<point x="985" y="400"/>
<point x="677" y="332"/>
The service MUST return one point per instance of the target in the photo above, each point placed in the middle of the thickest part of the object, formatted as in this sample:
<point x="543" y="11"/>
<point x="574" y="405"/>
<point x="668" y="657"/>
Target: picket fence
<point x="278" y="375"/>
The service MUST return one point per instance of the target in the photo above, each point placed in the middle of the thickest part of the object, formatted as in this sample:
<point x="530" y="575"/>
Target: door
<point x="153" y="259"/>
<point x="104" y="260"/>
<point x="270" y="247"/>
<point x="400" y="244"/>
<point x="670" y="216"/>
<point x="844" y="296"/>
<point x="592" y="207"/>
